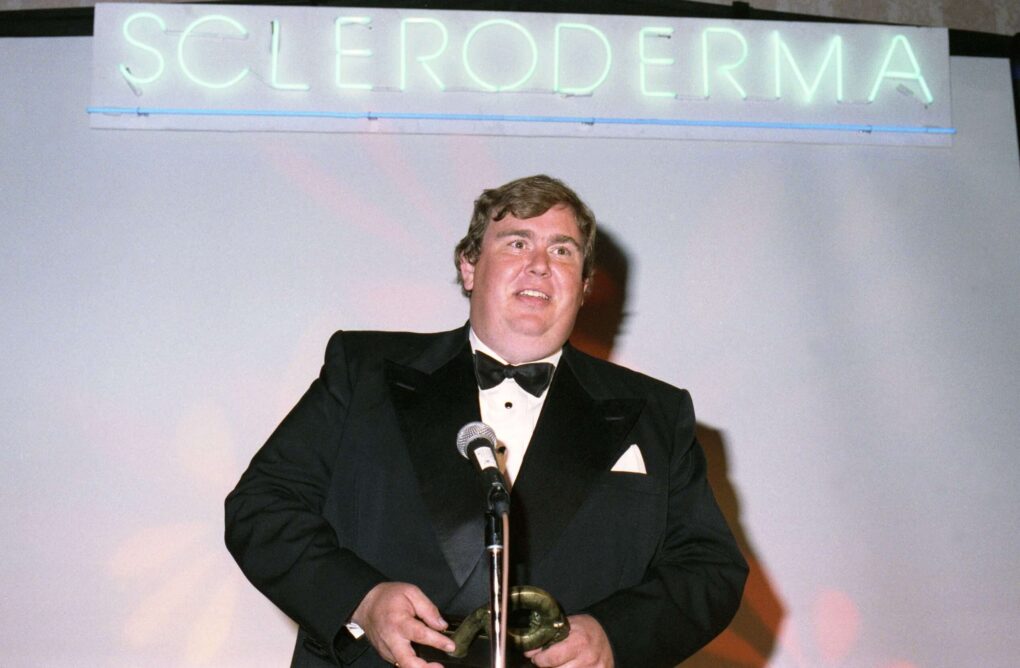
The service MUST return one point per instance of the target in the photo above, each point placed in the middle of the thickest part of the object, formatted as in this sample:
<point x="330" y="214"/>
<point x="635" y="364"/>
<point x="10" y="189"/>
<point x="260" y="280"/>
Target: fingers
<point x="558" y="655"/>
<point x="587" y="646"/>
<point x="395" y="614"/>
<point x="425" y="609"/>
<point x="420" y="633"/>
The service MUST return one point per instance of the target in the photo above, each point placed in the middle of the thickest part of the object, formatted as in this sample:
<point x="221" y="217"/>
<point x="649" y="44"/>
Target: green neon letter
<point x="724" y="69"/>
<point x="646" y="60"/>
<point x="274" y="80"/>
<point x="513" y="24"/>
<point x="340" y="52"/>
<point x="184" y="38"/>
<point x="914" y="75"/>
<point x="607" y="49"/>
<point x="161" y="62"/>
<point x="421" y="59"/>
<point x="835" y="50"/>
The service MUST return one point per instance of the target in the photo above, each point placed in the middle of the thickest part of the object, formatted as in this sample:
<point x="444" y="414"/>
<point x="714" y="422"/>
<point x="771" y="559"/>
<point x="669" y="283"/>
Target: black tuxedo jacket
<point x="362" y="483"/>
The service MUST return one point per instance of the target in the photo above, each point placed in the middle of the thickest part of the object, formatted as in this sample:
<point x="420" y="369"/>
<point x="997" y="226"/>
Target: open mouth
<point x="533" y="293"/>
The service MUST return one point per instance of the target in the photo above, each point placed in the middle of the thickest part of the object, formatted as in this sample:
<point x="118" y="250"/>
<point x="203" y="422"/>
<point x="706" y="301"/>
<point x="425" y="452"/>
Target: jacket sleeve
<point x="692" y="588"/>
<point x="275" y="528"/>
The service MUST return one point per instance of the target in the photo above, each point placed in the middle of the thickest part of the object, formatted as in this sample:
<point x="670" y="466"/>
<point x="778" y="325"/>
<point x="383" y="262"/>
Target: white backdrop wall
<point x="846" y="318"/>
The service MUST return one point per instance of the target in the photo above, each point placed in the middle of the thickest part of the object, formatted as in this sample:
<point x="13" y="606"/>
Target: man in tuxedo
<point x="359" y="519"/>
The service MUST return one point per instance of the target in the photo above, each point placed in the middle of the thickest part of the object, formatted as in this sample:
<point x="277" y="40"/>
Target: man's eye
<point x="517" y="243"/>
<point x="561" y="250"/>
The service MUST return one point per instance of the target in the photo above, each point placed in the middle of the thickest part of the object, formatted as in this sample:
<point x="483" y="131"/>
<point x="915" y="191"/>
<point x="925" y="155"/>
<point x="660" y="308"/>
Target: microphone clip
<point x="498" y="499"/>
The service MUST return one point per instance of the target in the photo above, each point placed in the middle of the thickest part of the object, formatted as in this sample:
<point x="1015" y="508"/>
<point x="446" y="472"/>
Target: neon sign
<point x="414" y="65"/>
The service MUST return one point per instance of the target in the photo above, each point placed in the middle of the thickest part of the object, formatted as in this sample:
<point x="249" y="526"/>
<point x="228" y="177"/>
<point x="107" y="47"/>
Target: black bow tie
<point x="533" y="378"/>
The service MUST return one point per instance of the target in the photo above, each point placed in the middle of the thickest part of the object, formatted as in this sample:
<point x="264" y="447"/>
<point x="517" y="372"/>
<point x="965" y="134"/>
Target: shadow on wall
<point x="600" y="321"/>
<point x="750" y="639"/>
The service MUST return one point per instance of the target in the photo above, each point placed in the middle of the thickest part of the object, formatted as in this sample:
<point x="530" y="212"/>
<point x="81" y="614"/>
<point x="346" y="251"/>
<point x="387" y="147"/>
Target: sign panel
<point x="345" y="69"/>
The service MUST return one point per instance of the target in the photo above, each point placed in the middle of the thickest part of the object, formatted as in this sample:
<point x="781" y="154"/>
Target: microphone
<point x="476" y="442"/>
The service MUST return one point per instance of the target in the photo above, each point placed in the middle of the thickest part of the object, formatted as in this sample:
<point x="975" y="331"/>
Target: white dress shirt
<point x="510" y="411"/>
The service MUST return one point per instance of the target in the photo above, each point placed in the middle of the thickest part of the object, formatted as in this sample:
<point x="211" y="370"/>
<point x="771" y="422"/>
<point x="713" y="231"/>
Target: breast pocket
<point x="636" y="482"/>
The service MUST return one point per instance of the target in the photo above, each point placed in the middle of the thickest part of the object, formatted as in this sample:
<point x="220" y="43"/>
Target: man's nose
<point x="538" y="263"/>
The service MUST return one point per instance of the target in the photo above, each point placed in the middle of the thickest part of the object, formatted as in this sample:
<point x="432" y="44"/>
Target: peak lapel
<point x="577" y="440"/>
<point x="433" y="399"/>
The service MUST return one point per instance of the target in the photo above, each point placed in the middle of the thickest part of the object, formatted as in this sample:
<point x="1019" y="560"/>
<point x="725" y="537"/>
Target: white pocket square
<point x="631" y="461"/>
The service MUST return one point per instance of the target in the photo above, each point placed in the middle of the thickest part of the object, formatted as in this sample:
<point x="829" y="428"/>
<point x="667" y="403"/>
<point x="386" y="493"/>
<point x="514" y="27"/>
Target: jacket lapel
<point x="578" y="438"/>
<point x="434" y="396"/>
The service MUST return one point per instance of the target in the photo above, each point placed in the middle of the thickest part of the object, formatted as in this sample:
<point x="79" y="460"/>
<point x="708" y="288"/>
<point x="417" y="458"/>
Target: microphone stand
<point x="497" y="523"/>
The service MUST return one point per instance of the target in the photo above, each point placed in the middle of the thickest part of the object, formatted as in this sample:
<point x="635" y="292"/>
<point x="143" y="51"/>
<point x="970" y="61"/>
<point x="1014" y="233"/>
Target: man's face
<point x="526" y="286"/>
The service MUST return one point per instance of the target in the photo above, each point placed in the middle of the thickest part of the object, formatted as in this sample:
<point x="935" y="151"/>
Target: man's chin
<point x="540" y="335"/>
<point x="530" y="328"/>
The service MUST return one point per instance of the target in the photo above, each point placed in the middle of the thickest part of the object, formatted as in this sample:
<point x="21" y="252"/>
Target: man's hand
<point x="587" y="646"/>
<point x="395" y="614"/>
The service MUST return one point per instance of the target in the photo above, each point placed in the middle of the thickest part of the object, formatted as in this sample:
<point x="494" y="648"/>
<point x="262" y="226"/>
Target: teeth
<point x="533" y="293"/>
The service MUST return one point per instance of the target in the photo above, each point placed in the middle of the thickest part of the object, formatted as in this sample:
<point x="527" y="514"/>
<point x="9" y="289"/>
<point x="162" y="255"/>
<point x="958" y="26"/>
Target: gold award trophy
<point x="540" y="622"/>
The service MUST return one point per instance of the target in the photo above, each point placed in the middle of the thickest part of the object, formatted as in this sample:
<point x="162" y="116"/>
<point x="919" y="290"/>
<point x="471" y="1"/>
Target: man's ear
<point x="585" y="289"/>
<point x="467" y="273"/>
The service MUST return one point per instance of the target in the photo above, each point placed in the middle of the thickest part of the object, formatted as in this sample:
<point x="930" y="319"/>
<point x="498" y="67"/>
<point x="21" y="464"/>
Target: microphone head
<point x="470" y="433"/>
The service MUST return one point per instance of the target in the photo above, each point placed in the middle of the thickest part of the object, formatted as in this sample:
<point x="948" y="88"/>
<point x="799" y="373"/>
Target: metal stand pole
<point x="497" y="524"/>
